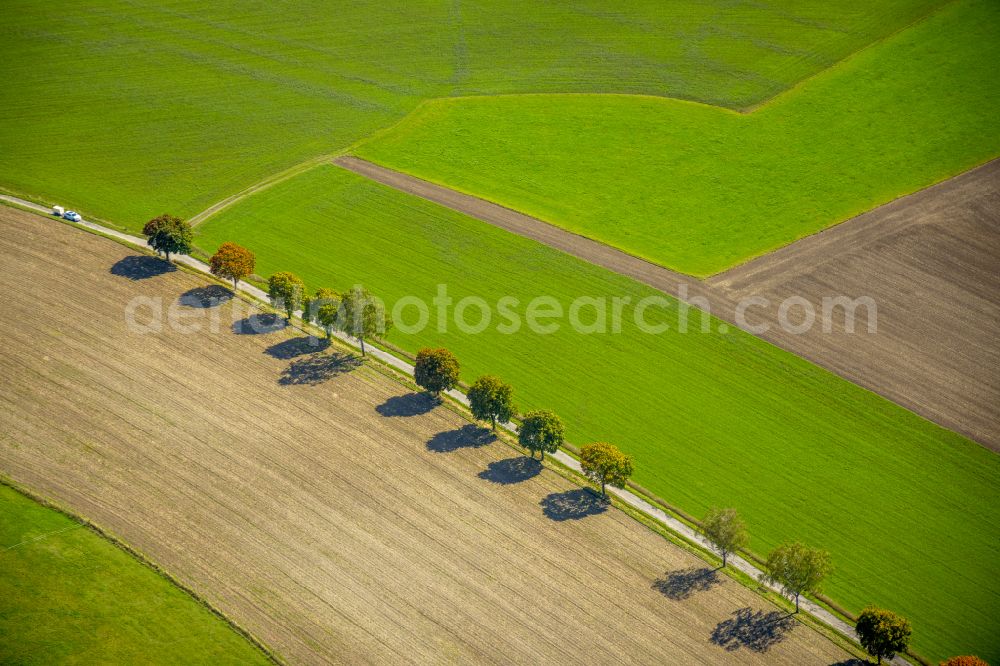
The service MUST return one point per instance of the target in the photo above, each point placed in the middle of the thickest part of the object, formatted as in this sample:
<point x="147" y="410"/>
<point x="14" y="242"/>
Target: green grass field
<point x="699" y="188"/>
<point x="707" y="51"/>
<point x="712" y="418"/>
<point x="130" y="109"/>
<point x="68" y="596"/>
<point x="125" y="110"/>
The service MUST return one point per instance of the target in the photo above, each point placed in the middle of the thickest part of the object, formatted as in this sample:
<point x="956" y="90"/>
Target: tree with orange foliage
<point x="965" y="660"/>
<point x="232" y="262"/>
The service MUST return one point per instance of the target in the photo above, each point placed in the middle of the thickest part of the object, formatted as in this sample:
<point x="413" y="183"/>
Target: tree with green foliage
<point x="797" y="569"/>
<point x="285" y="291"/>
<point x="363" y="316"/>
<point x="726" y="531"/>
<point x="605" y="464"/>
<point x="324" y="309"/>
<point x="436" y="370"/>
<point x="232" y="262"/>
<point x="490" y="399"/>
<point x="541" y="431"/>
<point x="167" y="234"/>
<point x="882" y="633"/>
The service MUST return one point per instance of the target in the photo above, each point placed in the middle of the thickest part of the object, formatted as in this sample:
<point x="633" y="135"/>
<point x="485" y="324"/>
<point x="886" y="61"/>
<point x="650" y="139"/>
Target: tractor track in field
<point x="270" y="181"/>
<point x="935" y="351"/>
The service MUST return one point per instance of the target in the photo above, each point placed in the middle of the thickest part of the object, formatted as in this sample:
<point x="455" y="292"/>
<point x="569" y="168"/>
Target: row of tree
<point x="168" y="235"/>
<point x="799" y="569"/>
<point x="542" y="431"/>
<point x="795" y="567"/>
<point x="356" y="312"/>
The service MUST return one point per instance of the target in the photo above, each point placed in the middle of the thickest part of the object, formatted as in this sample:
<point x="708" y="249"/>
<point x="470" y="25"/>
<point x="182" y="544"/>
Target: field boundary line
<point x="722" y="278"/>
<point x="523" y="224"/>
<point x="849" y="56"/>
<point x="740" y="111"/>
<point x="632" y="499"/>
<point x="142" y="560"/>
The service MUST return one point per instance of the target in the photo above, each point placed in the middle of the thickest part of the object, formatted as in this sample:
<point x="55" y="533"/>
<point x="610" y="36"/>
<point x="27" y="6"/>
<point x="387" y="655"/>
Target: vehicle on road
<point x="58" y="211"/>
<point x="72" y="216"/>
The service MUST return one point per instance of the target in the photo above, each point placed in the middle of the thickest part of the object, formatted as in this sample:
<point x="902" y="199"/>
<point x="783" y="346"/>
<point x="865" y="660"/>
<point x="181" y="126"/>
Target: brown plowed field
<point x="931" y="262"/>
<point x="322" y="507"/>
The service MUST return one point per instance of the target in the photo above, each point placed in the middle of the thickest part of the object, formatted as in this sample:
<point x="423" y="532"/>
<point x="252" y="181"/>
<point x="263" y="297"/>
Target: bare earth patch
<point x="325" y="510"/>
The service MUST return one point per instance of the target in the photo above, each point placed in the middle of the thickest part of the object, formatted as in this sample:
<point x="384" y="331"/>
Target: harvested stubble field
<point x="324" y="508"/>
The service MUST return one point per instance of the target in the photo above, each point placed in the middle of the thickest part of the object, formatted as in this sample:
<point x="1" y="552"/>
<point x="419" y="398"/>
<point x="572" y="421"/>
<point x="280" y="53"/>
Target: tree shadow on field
<point x="511" y="470"/>
<point x="258" y="324"/>
<point x="467" y="437"/>
<point x="286" y="350"/>
<point x="317" y="368"/>
<point x="141" y="267"/>
<point x="573" y="504"/>
<point x="681" y="584"/>
<point x="852" y="662"/>
<point x="210" y="296"/>
<point x="757" y="631"/>
<point x="411" y="404"/>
